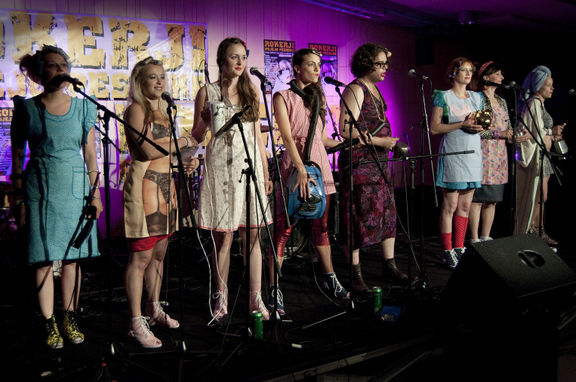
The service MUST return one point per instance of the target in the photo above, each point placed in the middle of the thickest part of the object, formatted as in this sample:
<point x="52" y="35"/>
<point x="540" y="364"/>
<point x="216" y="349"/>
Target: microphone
<point x="571" y="92"/>
<point x="514" y="85"/>
<point x="490" y="83"/>
<point x="414" y="73"/>
<point x="57" y="81"/>
<point x="255" y="72"/>
<point x="332" y="81"/>
<point x="231" y="122"/>
<point x="166" y="97"/>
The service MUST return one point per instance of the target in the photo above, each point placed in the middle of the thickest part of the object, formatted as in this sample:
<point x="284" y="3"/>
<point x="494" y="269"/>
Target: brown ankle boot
<point x="390" y="272"/>
<point x="358" y="285"/>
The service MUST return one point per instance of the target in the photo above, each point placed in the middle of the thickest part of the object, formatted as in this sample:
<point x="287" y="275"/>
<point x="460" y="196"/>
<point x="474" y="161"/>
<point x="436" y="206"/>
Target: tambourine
<point x="484" y="118"/>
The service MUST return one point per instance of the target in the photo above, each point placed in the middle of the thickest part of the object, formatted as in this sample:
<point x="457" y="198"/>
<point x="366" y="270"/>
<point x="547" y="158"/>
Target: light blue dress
<point x="461" y="171"/>
<point x="55" y="179"/>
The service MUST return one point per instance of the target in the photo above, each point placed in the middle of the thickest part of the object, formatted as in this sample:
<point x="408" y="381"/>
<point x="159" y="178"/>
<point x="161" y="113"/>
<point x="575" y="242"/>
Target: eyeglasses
<point x="382" y="64"/>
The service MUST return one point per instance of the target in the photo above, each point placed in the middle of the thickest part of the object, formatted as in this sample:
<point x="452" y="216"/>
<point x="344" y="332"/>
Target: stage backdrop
<point x="102" y="50"/>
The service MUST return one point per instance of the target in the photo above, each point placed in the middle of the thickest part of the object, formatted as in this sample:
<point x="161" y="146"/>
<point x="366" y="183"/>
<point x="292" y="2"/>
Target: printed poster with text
<point x="329" y="68"/>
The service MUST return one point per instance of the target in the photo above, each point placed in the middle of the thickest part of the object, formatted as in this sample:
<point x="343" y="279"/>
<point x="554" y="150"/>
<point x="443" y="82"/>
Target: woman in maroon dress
<point x="374" y="208"/>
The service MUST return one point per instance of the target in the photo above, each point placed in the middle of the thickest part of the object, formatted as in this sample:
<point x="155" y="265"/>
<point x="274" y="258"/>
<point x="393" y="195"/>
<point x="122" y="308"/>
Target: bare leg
<point x="325" y="254"/>
<point x="488" y="213"/>
<point x="476" y="210"/>
<point x="255" y="253"/>
<point x="70" y="283"/>
<point x="449" y="204"/>
<point x="388" y="248"/>
<point x="45" y="287"/>
<point x="223" y="243"/>
<point x="155" y="271"/>
<point x="134" y="279"/>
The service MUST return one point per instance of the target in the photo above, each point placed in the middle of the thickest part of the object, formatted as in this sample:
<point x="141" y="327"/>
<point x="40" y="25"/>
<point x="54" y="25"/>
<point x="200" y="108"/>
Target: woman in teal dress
<point x="55" y="185"/>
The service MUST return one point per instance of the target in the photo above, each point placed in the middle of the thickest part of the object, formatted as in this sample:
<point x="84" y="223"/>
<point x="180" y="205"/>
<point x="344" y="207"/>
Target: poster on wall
<point x="278" y="64"/>
<point x="103" y="50"/>
<point x="5" y="148"/>
<point x="329" y="68"/>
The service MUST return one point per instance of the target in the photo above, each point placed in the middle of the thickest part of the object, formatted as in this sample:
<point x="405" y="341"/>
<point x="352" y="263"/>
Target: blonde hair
<point x="135" y="94"/>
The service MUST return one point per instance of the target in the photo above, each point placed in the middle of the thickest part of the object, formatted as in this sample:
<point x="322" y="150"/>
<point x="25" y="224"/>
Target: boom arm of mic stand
<point x="116" y="117"/>
<point x="180" y="166"/>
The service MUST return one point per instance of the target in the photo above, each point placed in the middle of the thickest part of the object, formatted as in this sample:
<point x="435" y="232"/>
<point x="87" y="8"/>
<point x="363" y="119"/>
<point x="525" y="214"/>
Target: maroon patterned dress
<point x="374" y="208"/>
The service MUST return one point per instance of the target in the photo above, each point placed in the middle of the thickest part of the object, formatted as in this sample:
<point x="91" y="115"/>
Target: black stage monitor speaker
<point x="509" y="275"/>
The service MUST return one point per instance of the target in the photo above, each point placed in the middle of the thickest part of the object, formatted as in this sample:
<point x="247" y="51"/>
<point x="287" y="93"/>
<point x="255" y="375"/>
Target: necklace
<point x="379" y="113"/>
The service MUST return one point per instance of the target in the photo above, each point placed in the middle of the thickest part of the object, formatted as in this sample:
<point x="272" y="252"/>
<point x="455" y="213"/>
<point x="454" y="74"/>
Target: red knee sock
<point x="446" y="240"/>
<point x="460" y="226"/>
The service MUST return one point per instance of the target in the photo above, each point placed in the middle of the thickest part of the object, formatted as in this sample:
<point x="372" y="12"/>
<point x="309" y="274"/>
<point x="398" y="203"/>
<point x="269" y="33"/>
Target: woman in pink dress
<point x="293" y="115"/>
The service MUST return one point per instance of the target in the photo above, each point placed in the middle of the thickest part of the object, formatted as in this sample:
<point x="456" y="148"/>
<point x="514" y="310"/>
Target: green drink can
<point x="377" y="297"/>
<point x="257" y="325"/>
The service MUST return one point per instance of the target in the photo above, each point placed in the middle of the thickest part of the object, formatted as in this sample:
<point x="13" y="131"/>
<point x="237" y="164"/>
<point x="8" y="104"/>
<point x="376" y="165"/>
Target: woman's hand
<point x="557" y="132"/>
<point x="303" y="183"/>
<point x="469" y="124"/>
<point x="268" y="186"/>
<point x="96" y="203"/>
<point x="389" y="142"/>
<point x="521" y="136"/>
<point x="190" y="165"/>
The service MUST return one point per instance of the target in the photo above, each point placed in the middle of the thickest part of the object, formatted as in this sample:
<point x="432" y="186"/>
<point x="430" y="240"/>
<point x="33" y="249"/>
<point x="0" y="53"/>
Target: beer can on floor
<point x="257" y="325"/>
<point x="377" y="298"/>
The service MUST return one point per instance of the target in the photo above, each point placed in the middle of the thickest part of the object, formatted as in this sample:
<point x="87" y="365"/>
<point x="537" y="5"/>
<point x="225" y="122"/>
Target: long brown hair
<point x="246" y="92"/>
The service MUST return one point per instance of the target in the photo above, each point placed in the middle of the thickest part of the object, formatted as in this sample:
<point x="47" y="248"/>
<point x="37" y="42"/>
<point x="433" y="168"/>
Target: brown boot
<point x="358" y="285"/>
<point x="390" y="272"/>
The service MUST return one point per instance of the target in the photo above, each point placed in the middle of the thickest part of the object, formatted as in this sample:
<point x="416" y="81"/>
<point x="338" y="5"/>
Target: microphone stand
<point x="182" y="185"/>
<point x="111" y="349"/>
<point x="425" y="133"/>
<point x="250" y="175"/>
<point x="277" y="272"/>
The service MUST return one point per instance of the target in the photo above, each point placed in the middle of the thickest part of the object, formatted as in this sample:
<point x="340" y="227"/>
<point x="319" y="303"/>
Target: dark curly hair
<point x="363" y="59"/>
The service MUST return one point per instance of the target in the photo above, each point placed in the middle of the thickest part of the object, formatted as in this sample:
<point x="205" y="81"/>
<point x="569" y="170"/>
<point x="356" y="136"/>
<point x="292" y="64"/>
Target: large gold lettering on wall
<point x="102" y="50"/>
<point x="26" y="35"/>
<point x="128" y="36"/>
<point x="175" y="37"/>
<point x="82" y="47"/>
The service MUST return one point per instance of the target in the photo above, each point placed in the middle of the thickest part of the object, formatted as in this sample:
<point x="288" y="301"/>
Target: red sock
<point x="446" y="240"/>
<point x="460" y="226"/>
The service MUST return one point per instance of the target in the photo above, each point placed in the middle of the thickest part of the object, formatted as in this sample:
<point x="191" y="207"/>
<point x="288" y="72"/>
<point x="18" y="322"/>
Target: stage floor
<point x="319" y="339"/>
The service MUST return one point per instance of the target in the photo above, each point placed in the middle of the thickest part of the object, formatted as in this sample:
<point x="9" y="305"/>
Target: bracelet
<point x="91" y="171"/>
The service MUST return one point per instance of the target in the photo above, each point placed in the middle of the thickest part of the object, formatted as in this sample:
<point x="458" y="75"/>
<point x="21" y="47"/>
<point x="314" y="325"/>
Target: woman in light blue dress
<point x="458" y="175"/>
<point x="54" y="187"/>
